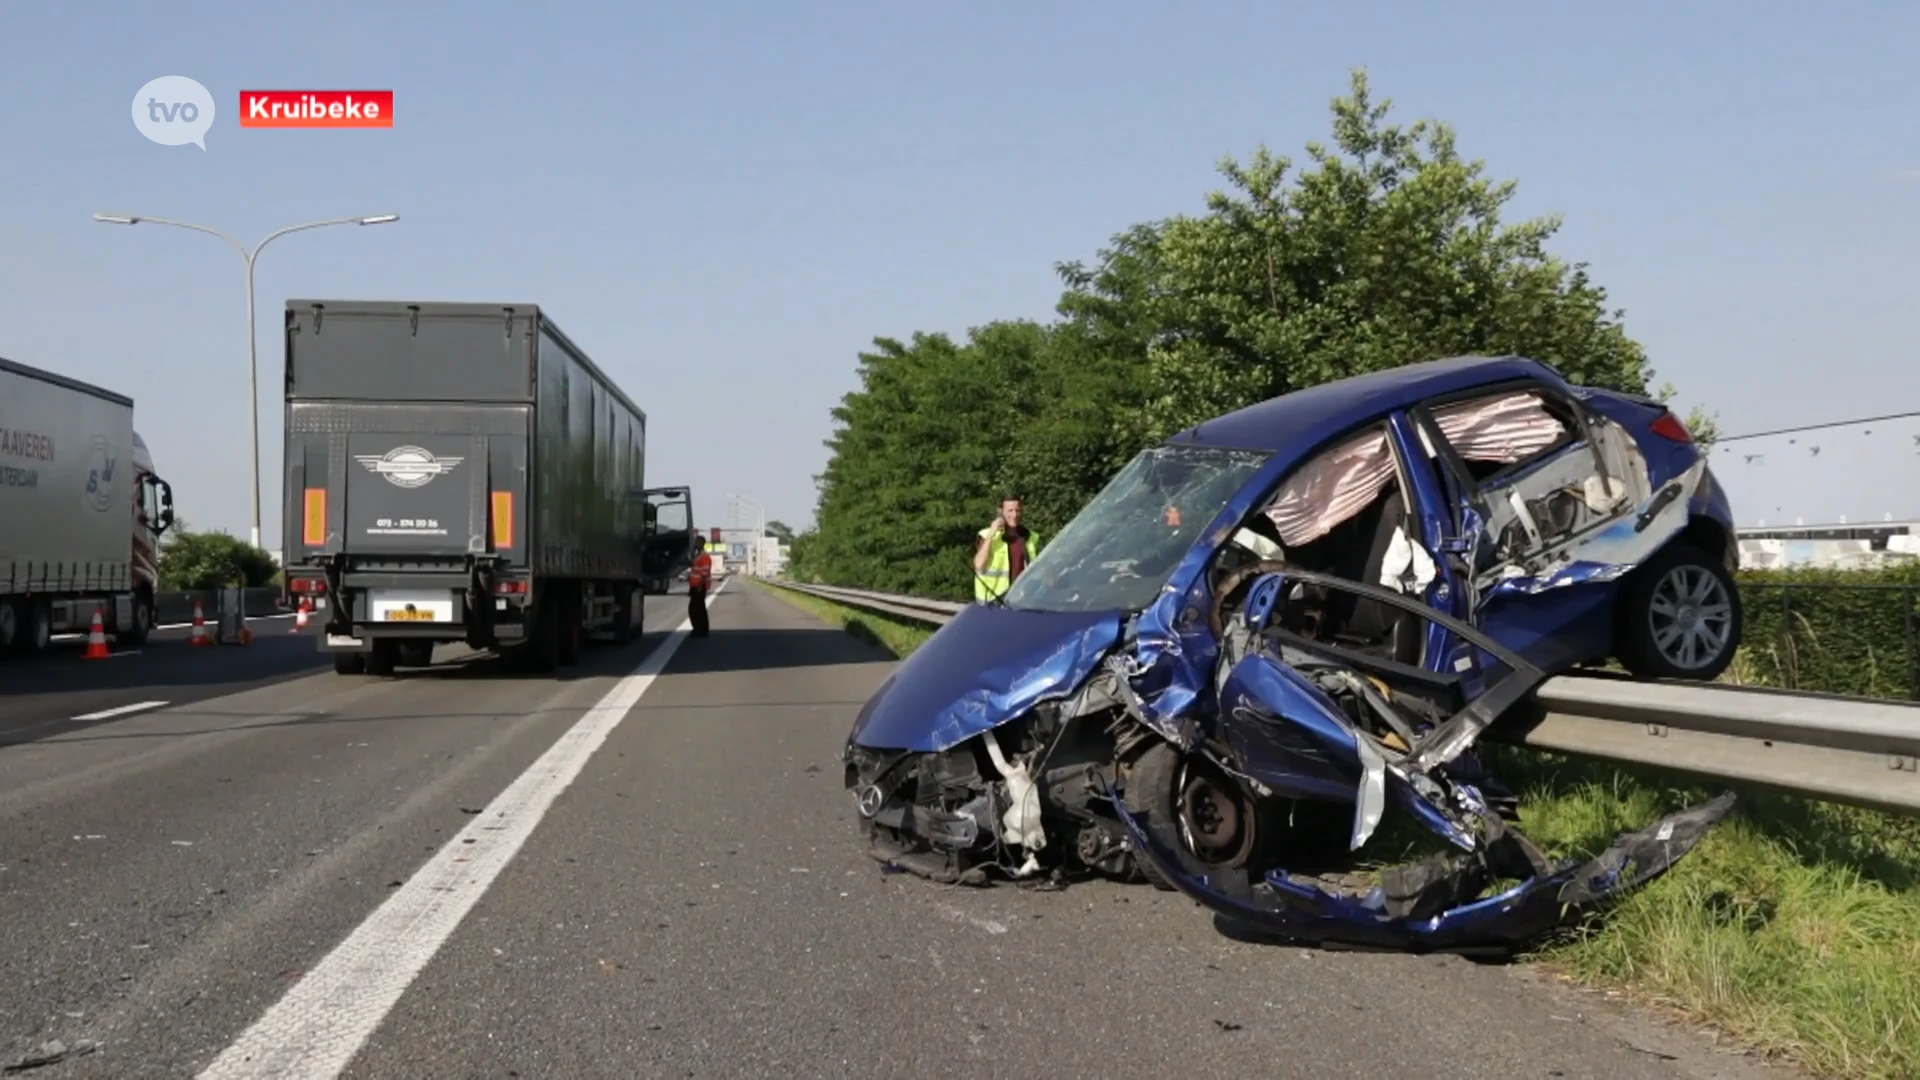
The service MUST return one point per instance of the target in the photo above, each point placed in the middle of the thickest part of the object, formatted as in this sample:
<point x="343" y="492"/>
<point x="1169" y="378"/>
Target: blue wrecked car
<point x="1266" y="632"/>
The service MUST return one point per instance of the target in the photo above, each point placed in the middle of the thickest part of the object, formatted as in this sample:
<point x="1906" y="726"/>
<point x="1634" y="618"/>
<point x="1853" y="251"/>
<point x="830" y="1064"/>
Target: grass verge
<point x="897" y="636"/>
<point x="1794" y="927"/>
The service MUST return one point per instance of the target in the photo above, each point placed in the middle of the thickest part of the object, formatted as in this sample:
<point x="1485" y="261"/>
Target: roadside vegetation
<point x="1796" y="926"/>
<point x="191" y="560"/>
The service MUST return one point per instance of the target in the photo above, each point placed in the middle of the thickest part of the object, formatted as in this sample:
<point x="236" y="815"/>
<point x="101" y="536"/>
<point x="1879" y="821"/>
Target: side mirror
<point x="165" y="516"/>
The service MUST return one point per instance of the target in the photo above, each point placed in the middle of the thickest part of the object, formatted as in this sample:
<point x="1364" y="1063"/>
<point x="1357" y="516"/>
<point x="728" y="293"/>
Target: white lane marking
<point x="120" y="710"/>
<point x="317" y="1027"/>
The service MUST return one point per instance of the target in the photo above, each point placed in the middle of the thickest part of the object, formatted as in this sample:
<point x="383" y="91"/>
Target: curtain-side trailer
<point x="81" y="512"/>
<point x="462" y="472"/>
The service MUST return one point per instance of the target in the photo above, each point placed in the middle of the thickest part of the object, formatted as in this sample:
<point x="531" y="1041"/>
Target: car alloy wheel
<point x="1690" y="617"/>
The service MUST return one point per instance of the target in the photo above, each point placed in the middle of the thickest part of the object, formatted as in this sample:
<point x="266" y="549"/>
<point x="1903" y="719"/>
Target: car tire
<point x="1154" y="788"/>
<point x="349" y="663"/>
<point x="1680" y="617"/>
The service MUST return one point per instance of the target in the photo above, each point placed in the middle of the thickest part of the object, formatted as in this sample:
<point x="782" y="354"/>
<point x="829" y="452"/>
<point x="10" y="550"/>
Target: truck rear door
<point x="408" y="433"/>
<point x="409" y="482"/>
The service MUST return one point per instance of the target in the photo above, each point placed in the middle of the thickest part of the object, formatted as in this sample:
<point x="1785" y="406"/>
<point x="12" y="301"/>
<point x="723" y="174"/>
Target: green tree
<point x="919" y="456"/>
<point x="209" y="560"/>
<point x="1387" y="249"/>
<point x="780" y="531"/>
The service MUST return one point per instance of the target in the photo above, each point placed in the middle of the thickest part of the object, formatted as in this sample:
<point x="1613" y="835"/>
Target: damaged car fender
<point x="1013" y="661"/>
<point x="1288" y="735"/>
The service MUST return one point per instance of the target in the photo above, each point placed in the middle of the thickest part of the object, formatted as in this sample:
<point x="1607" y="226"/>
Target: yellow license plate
<point x="409" y="616"/>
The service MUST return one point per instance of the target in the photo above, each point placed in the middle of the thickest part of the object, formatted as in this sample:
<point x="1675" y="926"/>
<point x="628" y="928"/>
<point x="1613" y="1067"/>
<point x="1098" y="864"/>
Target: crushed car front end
<point x="991" y="748"/>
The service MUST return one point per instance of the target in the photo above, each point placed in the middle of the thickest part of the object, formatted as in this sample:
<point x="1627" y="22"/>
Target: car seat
<point x="1359" y="556"/>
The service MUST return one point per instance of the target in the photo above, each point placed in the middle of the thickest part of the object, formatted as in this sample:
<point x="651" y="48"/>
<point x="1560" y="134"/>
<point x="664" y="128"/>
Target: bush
<point x="1833" y="631"/>
<point x="208" y="560"/>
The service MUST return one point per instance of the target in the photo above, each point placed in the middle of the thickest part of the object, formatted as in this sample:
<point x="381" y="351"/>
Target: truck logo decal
<point x="102" y="467"/>
<point x="408" y="466"/>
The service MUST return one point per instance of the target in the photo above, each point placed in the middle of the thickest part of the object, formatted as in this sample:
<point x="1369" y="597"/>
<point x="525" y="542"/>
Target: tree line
<point x="1383" y="247"/>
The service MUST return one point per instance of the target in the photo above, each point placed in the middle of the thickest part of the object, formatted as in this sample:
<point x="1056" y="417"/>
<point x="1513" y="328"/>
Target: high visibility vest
<point x="701" y="574"/>
<point x="994" y="581"/>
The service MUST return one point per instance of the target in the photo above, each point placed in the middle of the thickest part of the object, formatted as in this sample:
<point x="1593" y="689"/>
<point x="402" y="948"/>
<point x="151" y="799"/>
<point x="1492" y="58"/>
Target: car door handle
<point x="1659" y="503"/>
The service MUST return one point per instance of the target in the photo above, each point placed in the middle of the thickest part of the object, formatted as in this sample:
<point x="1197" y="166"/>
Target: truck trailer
<point x="463" y="472"/>
<point x="81" y="512"/>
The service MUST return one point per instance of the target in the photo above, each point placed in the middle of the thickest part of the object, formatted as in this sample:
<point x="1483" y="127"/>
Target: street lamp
<point x="253" y="352"/>
<point x="753" y="553"/>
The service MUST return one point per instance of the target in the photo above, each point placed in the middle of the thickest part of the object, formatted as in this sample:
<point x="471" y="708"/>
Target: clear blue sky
<point x="725" y="202"/>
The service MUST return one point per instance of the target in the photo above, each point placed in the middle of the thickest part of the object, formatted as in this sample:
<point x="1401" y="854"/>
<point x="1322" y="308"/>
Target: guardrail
<point x="1863" y="751"/>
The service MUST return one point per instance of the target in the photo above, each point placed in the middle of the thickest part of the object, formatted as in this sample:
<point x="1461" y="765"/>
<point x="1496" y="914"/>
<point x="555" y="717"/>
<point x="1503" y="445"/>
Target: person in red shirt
<point x="699" y="578"/>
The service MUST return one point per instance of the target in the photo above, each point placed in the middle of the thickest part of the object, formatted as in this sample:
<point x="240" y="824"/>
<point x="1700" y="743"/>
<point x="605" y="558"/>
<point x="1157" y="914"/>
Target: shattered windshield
<point x="1124" y="545"/>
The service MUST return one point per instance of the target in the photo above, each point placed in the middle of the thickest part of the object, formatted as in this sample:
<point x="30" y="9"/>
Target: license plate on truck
<point x="399" y="605"/>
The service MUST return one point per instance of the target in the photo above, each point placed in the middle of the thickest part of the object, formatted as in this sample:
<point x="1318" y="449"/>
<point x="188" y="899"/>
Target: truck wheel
<point x="380" y="658"/>
<point x="39" y="627"/>
<point x="541" y="653"/>
<point x="136" y="635"/>
<point x="349" y="663"/>
<point x="568" y="645"/>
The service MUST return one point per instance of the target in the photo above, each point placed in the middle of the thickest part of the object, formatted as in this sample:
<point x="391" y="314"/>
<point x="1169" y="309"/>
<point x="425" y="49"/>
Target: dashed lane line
<point x="121" y="710"/>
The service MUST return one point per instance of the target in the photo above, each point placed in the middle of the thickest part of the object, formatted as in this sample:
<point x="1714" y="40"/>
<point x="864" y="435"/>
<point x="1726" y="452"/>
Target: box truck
<point x="81" y="512"/>
<point x="463" y="472"/>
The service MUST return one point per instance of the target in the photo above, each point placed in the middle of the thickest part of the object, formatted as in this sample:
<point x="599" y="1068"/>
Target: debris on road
<point x="52" y="1052"/>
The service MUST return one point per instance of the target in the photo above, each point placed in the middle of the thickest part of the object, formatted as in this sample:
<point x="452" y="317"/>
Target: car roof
<point x="1301" y="421"/>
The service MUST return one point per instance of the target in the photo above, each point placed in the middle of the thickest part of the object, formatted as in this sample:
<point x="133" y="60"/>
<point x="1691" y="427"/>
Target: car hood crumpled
<point x="984" y="668"/>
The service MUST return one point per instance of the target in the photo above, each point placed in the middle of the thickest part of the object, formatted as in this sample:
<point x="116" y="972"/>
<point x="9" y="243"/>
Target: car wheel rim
<point x="1691" y="617"/>
<point x="1215" y="824"/>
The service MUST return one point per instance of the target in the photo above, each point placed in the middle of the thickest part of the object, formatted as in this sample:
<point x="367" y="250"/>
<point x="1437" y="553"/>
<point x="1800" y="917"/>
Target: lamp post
<point x="753" y="553"/>
<point x="253" y="352"/>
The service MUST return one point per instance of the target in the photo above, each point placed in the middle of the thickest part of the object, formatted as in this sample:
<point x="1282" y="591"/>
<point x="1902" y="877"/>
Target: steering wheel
<point x="1231" y="584"/>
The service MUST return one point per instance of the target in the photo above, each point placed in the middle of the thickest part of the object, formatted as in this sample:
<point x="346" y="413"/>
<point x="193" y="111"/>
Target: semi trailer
<point x="463" y="472"/>
<point x="83" y="512"/>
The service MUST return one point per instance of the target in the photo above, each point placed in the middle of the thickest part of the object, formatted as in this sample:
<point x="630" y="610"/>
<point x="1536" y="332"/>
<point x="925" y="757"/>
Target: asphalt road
<point x="464" y="872"/>
<point x="61" y="691"/>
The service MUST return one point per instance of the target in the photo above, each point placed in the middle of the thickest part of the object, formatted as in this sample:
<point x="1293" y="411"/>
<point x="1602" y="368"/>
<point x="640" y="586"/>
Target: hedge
<point x="1834" y="631"/>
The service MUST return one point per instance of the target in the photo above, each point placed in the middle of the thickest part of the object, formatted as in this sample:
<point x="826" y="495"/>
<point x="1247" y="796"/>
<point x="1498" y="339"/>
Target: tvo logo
<point x="174" y="110"/>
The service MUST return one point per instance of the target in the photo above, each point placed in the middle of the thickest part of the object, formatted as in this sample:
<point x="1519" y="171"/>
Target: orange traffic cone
<point x="97" y="639"/>
<point x="199" y="626"/>
<point x="300" y="620"/>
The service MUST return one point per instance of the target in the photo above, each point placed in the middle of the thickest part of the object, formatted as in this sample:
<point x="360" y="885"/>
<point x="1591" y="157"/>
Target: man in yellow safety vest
<point x="1006" y="548"/>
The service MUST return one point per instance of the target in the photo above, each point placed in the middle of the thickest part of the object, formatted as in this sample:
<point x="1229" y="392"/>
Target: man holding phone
<point x="1005" y="549"/>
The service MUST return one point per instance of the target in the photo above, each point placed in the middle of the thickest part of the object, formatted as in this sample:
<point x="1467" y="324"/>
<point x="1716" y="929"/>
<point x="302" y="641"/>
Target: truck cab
<point x="152" y="517"/>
